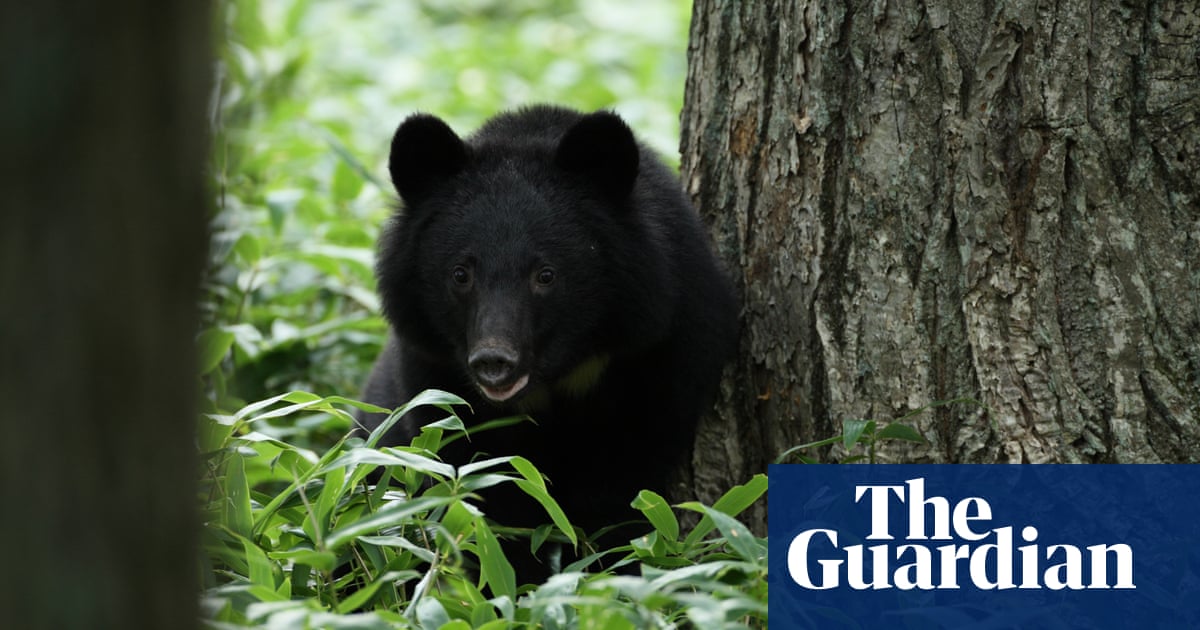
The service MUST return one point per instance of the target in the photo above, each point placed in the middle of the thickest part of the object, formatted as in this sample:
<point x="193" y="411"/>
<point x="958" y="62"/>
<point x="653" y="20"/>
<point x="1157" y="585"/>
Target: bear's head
<point x="520" y="254"/>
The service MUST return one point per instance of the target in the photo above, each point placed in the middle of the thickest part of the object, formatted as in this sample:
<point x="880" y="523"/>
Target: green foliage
<point x="868" y="434"/>
<point x="299" y="538"/>
<point x="295" y="534"/>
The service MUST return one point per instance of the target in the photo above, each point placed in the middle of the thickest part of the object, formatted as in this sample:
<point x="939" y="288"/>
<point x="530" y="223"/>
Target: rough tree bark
<point x="102" y="242"/>
<point x="923" y="200"/>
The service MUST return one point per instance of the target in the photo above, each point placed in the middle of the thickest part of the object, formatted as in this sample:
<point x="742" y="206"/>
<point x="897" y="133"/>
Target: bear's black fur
<point x="551" y="265"/>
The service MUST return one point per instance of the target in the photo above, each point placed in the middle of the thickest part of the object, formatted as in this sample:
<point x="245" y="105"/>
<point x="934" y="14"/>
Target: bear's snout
<point x="497" y="370"/>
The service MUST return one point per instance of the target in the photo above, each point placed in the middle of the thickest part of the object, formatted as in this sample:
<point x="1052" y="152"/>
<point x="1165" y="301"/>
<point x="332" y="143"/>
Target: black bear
<point x="550" y="265"/>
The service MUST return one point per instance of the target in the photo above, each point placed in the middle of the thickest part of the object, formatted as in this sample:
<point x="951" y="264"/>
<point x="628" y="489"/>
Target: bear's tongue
<point x="503" y="394"/>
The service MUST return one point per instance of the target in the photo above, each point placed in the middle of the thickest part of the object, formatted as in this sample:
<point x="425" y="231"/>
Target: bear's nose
<point x="493" y="365"/>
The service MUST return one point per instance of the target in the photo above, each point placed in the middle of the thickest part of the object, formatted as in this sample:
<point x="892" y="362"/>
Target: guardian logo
<point x="912" y="565"/>
<point x="1054" y="546"/>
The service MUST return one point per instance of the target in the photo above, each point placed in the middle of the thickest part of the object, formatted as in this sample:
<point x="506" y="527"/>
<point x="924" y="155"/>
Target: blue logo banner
<point x="984" y="546"/>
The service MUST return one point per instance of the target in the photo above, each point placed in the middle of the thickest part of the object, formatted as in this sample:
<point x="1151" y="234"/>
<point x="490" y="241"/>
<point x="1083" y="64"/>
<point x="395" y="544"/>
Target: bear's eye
<point x="545" y="276"/>
<point x="460" y="275"/>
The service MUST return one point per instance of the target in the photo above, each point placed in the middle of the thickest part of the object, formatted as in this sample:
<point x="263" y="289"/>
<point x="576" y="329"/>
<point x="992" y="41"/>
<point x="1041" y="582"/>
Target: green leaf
<point x="459" y="518"/>
<point x="659" y="513"/>
<point x="483" y="464"/>
<point x="238" y="517"/>
<point x="852" y="431"/>
<point x="249" y="248"/>
<point x="264" y="515"/>
<point x="540" y="534"/>
<point x="262" y="570"/>
<point x="364" y="595"/>
<point x="496" y="624"/>
<point x="331" y="492"/>
<point x="696" y="574"/>
<point x="534" y="486"/>
<point x="430" y="439"/>
<point x="421" y="553"/>
<point x="391" y="514"/>
<point x="736" y="535"/>
<point x="213" y="432"/>
<point x="740" y="497"/>
<point x="323" y="560"/>
<point x="733" y="502"/>
<point x="490" y="425"/>
<point x="528" y="471"/>
<point x="819" y="443"/>
<point x="213" y="344"/>
<point x="431" y="613"/>
<point x="475" y="483"/>
<point x="494" y="568"/>
<point x="304" y="397"/>
<point x="391" y="457"/>
<point x="430" y="397"/>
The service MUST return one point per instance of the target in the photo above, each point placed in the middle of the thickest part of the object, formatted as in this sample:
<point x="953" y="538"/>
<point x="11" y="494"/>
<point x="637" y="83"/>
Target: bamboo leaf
<point x="494" y="568"/>
<point x="659" y="513"/>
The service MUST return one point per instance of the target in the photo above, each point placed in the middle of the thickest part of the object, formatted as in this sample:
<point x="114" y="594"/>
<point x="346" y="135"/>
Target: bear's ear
<point x="601" y="146"/>
<point x="425" y="150"/>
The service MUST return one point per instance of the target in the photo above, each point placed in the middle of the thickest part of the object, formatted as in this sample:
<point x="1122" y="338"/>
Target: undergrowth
<point x="297" y="538"/>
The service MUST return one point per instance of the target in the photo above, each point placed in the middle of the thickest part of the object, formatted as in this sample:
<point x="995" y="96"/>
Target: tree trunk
<point x="101" y="249"/>
<point x="922" y="201"/>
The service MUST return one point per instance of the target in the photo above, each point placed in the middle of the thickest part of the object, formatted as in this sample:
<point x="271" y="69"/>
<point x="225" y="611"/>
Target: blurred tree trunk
<point x="924" y="200"/>
<point x="101" y="248"/>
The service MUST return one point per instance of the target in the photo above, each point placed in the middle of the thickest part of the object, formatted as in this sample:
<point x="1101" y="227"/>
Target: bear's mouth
<point x="501" y="394"/>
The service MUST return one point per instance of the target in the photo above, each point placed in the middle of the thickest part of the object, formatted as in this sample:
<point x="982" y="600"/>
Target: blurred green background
<point x="308" y="94"/>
